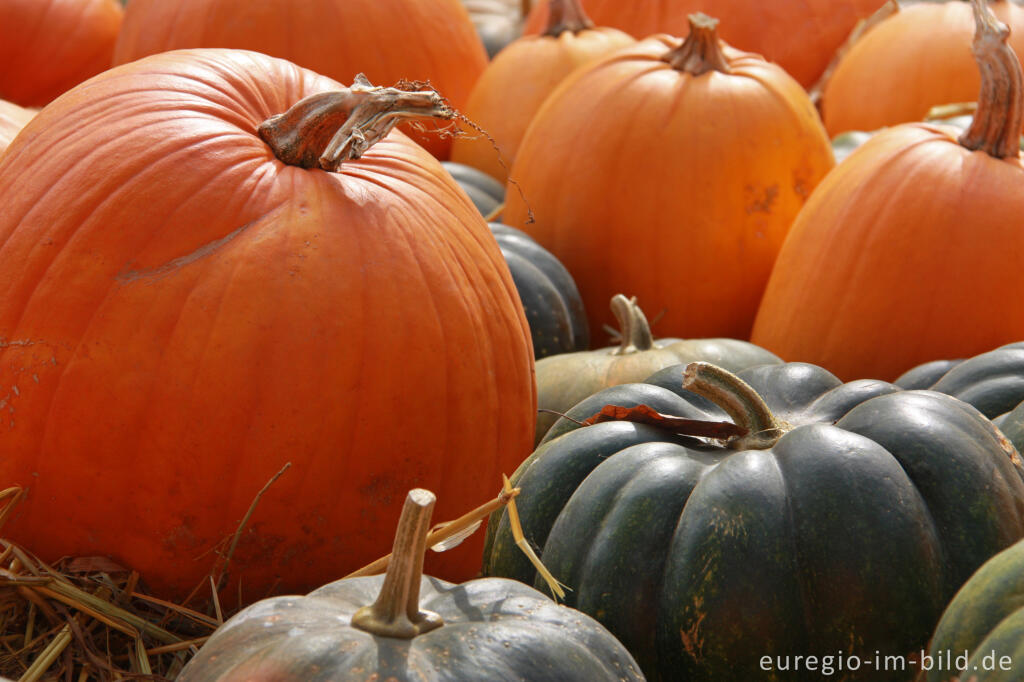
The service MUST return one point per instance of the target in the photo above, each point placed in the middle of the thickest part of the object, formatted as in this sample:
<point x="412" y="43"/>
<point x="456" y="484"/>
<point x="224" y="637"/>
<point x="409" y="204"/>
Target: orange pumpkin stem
<point x="329" y="128"/>
<point x="738" y="400"/>
<point x="701" y="51"/>
<point x="636" y="333"/>
<point x="996" y="127"/>
<point x="566" y="15"/>
<point x="396" y="613"/>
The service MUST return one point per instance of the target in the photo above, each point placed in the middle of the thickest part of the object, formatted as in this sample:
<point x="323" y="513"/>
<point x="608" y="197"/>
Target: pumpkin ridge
<point x="798" y="568"/>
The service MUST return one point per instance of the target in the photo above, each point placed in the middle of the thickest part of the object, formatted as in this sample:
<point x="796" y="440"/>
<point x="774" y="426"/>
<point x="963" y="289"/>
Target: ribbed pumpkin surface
<point x="388" y="40"/>
<point x="800" y="35"/>
<point x="181" y="314"/>
<point x="915" y="60"/>
<point x="675" y="188"/>
<point x="49" y="46"/>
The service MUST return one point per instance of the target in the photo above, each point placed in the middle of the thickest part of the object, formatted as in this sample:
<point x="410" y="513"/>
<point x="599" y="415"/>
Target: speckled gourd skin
<point x="495" y="630"/>
<point x="986" y="616"/>
<point x="851" y="533"/>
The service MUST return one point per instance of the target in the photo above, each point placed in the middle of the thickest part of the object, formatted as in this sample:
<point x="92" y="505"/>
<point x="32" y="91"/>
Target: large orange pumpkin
<point x="671" y="169"/>
<point x="911" y="249"/>
<point x="49" y="46"/>
<point x="12" y="119"/>
<point x="182" y="313"/>
<point x="800" y="35"/>
<point x="388" y="40"/>
<point x="918" y="58"/>
<point x="514" y="85"/>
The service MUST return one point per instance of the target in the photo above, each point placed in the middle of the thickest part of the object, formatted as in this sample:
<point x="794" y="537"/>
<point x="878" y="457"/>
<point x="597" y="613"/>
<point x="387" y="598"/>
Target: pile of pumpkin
<point x="275" y="276"/>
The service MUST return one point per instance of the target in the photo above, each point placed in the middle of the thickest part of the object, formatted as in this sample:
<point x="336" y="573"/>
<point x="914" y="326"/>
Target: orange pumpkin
<point x="800" y="35"/>
<point x="914" y="60"/>
<point x="49" y="46"/>
<point x="671" y="169"/>
<point x="514" y="85"/>
<point x="12" y="119"/>
<point x="388" y="40"/>
<point x="182" y="313"/>
<point x="911" y="249"/>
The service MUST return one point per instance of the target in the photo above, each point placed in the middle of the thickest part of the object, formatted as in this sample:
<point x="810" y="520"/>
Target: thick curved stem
<point x="737" y="399"/>
<point x="396" y="613"/>
<point x="326" y="129"/>
<point x="566" y="15"/>
<point x="636" y="333"/>
<point x="701" y="51"/>
<point x="997" y="122"/>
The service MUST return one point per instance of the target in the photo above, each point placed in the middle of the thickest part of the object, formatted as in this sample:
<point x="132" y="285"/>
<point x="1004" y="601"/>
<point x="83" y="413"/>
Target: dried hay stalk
<point x="84" y="618"/>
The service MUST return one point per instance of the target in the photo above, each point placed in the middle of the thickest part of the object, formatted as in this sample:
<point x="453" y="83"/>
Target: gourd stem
<point x="396" y="613"/>
<point x="996" y="126"/>
<point x="566" y="15"/>
<point x="701" y="51"/>
<point x="636" y="333"/>
<point x="328" y="128"/>
<point x="741" y="402"/>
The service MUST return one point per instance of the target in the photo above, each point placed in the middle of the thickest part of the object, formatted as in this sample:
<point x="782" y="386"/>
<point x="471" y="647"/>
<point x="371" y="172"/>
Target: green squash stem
<point x="996" y="126"/>
<point x="566" y="15"/>
<point x="701" y="51"/>
<point x="636" y="333"/>
<point x="741" y="402"/>
<point x="396" y="613"/>
<point x="328" y="128"/>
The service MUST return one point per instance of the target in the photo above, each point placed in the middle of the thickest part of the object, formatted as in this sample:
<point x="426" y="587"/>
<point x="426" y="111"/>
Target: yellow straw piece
<point x="517" y="534"/>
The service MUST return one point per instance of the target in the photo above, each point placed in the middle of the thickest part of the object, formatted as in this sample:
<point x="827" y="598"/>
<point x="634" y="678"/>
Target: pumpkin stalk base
<point x="329" y="128"/>
<point x="701" y="51"/>
<point x="636" y="332"/>
<point x="996" y="127"/>
<point x="396" y="613"/>
<point x="741" y="402"/>
<point x="566" y="15"/>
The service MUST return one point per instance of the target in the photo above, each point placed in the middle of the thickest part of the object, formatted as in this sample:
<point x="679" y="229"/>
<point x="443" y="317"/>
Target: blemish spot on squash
<point x="757" y="202"/>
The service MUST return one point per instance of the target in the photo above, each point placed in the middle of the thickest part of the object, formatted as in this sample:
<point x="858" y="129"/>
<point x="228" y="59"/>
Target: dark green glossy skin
<point x="986" y="617"/>
<point x="495" y="631"/>
<point x="551" y="301"/>
<point x="992" y="382"/>
<point x="485" y="192"/>
<point x="850" y="534"/>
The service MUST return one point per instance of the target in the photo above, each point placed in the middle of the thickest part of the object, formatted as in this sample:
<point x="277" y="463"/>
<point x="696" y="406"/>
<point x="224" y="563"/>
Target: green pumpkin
<point x="564" y="380"/>
<point x="993" y="382"/>
<point x="486" y="193"/>
<point x="404" y="627"/>
<point x="551" y="301"/>
<point x="982" y="629"/>
<point x="845" y="520"/>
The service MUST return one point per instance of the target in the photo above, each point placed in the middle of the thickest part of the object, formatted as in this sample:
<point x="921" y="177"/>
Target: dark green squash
<point x="486" y="193"/>
<point x="982" y="629"/>
<point x="993" y="382"/>
<point x="564" y="380"/>
<point x="849" y="532"/>
<point x="551" y="301"/>
<point x="405" y="626"/>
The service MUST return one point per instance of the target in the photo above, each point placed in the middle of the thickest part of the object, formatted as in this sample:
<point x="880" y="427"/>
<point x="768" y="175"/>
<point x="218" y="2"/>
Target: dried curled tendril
<point x="452" y="130"/>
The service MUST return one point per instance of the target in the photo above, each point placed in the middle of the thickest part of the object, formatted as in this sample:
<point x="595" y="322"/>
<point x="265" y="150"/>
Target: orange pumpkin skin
<point x="907" y="252"/>
<point x="12" y="119"/>
<point x="799" y="35"/>
<point x="676" y="188"/>
<point x="49" y="46"/>
<point x="515" y="84"/>
<point x="388" y="40"/>
<point x="916" y="59"/>
<point x="184" y="314"/>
